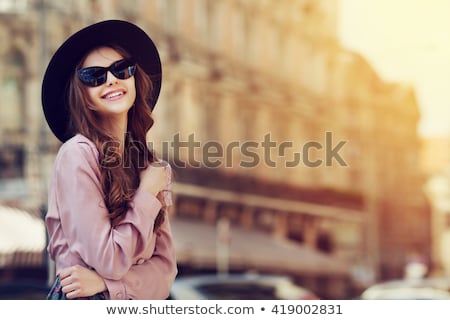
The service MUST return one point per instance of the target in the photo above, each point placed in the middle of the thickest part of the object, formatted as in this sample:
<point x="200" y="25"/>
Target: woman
<point x="109" y="233"/>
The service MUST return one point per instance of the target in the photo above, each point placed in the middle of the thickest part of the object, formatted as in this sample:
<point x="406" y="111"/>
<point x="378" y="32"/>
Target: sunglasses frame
<point x="88" y="78"/>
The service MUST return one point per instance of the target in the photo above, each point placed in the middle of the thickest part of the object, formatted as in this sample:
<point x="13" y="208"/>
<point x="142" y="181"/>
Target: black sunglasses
<point x="96" y="76"/>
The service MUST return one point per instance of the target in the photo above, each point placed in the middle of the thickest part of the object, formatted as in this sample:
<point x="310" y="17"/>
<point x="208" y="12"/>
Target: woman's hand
<point x="80" y="282"/>
<point x="154" y="178"/>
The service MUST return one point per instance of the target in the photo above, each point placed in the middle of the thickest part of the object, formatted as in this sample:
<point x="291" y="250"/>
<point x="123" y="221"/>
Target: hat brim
<point x="110" y="32"/>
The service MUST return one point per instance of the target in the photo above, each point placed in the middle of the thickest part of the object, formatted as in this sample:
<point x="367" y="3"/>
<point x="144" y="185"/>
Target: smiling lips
<point x="114" y="95"/>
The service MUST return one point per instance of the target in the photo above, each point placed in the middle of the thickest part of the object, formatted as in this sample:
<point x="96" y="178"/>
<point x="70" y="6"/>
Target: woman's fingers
<point x="69" y="288"/>
<point x="66" y="281"/>
<point x="72" y="290"/>
<point x="66" y="272"/>
<point x="78" y="282"/>
<point x="70" y="285"/>
<point x="160" y="163"/>
<point x="74" y="294"/>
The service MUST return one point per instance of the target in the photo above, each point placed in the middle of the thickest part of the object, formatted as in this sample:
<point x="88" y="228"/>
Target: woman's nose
<point x="110" y="78"/>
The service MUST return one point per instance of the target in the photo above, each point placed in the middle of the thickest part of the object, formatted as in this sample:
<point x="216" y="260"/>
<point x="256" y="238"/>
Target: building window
<point x="11" y="115"/>
<point x="12" y="112"/>
<point x="12" y="182"/>
<point x="11" y="163"/>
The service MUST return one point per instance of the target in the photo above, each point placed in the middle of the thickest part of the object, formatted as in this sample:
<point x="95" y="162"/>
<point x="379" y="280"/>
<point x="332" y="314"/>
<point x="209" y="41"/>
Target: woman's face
<point x="115" y="97"/>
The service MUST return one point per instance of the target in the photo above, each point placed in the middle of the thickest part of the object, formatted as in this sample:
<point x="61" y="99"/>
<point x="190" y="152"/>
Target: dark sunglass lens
<point x="123" y="69"/>
<point x="92" y="76"/>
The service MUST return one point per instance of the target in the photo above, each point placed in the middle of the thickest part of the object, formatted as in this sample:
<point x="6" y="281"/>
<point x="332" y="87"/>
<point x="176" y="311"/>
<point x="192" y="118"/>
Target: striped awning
<point x="22" y="238"/>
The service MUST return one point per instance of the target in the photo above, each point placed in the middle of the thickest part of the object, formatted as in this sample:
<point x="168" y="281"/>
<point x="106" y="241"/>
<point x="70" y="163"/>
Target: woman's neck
<point x="117" y="127"/>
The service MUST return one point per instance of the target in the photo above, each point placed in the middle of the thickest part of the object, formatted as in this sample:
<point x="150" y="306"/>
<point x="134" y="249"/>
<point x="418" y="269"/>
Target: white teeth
<point x="114" y="94"/>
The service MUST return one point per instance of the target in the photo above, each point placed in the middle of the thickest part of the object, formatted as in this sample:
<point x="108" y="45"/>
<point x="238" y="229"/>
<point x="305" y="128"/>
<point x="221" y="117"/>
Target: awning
<point x="22" y="238"/>
<point x="196" y="245"/>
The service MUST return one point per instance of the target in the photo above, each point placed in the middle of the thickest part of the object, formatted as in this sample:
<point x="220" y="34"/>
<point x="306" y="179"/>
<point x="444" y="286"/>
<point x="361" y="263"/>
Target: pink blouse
<point x="135" y="262"/>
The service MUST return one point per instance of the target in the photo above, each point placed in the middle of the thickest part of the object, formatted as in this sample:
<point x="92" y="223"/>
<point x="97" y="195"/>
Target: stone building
<point x="266" y="119"/>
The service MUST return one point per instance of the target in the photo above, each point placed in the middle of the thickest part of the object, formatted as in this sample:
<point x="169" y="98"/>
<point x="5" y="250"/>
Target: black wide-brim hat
<point x="62" y="65"/>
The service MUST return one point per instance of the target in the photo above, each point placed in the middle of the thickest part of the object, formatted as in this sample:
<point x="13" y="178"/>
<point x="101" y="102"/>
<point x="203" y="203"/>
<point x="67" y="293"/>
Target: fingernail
<point x="161" y="163"/>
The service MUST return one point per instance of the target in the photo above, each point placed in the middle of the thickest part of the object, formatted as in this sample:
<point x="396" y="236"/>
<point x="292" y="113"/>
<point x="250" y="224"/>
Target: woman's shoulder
<point x="78" y="146"/>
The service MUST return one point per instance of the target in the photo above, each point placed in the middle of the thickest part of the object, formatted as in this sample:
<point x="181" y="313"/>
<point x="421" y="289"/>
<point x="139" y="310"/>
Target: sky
<point x="405" y="41"/>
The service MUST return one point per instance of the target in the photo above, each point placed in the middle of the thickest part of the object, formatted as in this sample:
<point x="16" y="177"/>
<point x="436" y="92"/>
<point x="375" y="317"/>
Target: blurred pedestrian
<point x="109" y="232"/>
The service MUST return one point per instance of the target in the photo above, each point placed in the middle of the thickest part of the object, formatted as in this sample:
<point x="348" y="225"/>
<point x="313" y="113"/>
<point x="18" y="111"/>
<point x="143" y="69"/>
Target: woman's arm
<point x="153" y="278"/>
<point x="150" y="280"/>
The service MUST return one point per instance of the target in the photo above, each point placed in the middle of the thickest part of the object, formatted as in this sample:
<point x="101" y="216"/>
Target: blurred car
<point x="409" y="289"/>
<point x="238" y="287"/>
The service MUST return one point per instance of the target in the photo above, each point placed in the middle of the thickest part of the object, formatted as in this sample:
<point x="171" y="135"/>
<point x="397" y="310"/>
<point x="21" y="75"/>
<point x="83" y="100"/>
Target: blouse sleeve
<point x="84" y="217"/>
<point x="153" y="279"/>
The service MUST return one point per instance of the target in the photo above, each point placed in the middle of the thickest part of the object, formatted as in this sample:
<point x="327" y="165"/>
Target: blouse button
<point x="119" y="295"/>
<point x="140" y="261"/>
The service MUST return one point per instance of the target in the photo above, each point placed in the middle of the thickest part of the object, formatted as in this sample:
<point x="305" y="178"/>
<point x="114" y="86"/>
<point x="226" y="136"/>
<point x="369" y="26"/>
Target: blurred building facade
<point x="265" y="118"/>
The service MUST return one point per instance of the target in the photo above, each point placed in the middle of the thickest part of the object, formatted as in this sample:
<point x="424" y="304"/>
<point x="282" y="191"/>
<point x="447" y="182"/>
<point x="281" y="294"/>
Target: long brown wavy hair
<point x="120" y="172"/>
